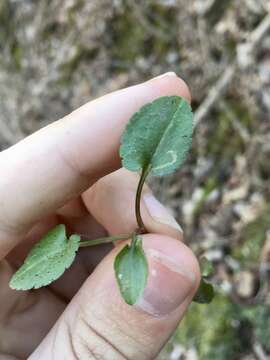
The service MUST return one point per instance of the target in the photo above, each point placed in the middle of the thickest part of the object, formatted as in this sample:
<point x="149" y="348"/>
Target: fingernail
<point x="169" y="284"/>
<point x="159" y="212"/>
<point x="169" y="73"/>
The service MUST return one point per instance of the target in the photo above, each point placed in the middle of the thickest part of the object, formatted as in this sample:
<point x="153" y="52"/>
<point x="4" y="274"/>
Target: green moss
<point x="210" y="184"/>
<point x="253" y="237"/>
<point x="17" y="55"/>
<point x="224" y="141"/>
<point x="211" y="330"/>
<point x="74" y="10"/>
<point x="230" y="45"/>
<point x="242" y="114"/>
<point x="132" y="34"/>
<point x="223" y="330"/>
<point x="217" y="11"/>
<point x="127" y="37"/>
<point x="259" y="317"/>
<point x="5" y="14"/>
<point x="163" y="22"/>
<point x="70" y="67"/>
<point x="8" y="38"/>
<point x="82" y="54"/>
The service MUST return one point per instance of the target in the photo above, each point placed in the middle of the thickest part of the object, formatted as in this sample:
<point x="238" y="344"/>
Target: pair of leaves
<point x="47" y="260"/>
<point x="205" y="292"/>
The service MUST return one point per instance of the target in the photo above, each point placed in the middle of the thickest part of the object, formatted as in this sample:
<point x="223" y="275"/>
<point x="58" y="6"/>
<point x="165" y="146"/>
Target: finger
<point x="73" y="209"/>
<point x="98" y="324"/>
<point x="33" y="311"/>
<point x="54" y="165"/>
<point x="111" y="200"/>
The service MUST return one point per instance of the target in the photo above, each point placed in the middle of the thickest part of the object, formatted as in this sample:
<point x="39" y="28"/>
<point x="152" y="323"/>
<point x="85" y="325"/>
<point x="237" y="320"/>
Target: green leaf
<point x="131" y="270"/>
<point x="158" y="136"/>
<point x="47" y="260"/>
<point x="205" y="293"/>
<point x="206" y="266"/>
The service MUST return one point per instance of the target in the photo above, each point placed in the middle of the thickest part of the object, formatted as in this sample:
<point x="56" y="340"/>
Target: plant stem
<point x="141" y="226"/>
<point x="104" y="240"/>
<point x="133" y="241"/>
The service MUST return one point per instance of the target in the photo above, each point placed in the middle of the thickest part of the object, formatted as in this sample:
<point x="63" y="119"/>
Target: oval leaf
<point x="47" y="260"/>
<point x="205" y="293"/>
<point x="131" y="271"/>
<point x="158" y="136"/>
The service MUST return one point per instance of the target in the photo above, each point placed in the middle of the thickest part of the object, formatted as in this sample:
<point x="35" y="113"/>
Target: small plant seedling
<point x="155" y="141"/>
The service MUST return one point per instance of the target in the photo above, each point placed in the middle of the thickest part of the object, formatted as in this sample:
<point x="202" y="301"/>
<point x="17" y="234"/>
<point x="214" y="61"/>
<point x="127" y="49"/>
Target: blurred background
<point x="55" y="55"/>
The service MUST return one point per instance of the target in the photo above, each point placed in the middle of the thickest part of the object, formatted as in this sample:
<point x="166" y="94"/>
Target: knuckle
<point x="88" y="343"/>
<point x="77" y="347"/>
<point x="71" y="163"/>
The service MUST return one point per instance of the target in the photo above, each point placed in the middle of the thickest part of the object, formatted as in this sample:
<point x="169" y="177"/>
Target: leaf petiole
<point x="104" y="240"/>
<point x="134" y="240"/>
<point x="141" y="226"/>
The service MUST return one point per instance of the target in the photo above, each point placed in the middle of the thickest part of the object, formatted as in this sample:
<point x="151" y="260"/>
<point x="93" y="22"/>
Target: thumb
<point x="98" y="324"/>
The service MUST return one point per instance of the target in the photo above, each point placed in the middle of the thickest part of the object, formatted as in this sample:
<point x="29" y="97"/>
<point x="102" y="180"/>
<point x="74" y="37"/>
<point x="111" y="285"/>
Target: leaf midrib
<point x="163" y="134"/>
<point x="42" y="258"/>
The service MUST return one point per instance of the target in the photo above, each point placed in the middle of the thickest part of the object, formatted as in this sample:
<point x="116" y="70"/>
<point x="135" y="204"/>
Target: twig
<point x="215" y="92"/>
<point x="9" y="129"/>
<point x="151" y="29"/>
<point x="5" y="132"/>
<point x="203" y="6"/>
<point x="223" y="82"/>
<point x="235" y="122"/>
<point x="257" y="35"/>
<point x="259" y="352"/>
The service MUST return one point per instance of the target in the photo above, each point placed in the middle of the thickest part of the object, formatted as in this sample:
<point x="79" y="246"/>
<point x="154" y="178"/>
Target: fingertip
<point x="172" y="279"/>
<point x="171" y="84"/>
<point x="178" y="252"/>
<point x="158" y="218"/>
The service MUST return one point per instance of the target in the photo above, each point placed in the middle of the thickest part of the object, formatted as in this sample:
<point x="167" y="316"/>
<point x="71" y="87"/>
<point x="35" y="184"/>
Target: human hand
<point x="67" y="173"/>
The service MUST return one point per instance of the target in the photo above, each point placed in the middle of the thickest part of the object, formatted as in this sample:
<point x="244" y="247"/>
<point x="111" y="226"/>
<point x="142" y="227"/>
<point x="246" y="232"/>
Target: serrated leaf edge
<point x="133" y="119"/>
<point x="44" y="258"/>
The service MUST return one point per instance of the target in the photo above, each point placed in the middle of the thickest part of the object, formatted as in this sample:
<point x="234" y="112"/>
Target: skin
<point x="69" y="172"/>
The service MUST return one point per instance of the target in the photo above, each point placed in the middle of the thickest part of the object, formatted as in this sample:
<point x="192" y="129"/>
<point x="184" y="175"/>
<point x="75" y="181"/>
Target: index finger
<point x="47" y="169"/>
